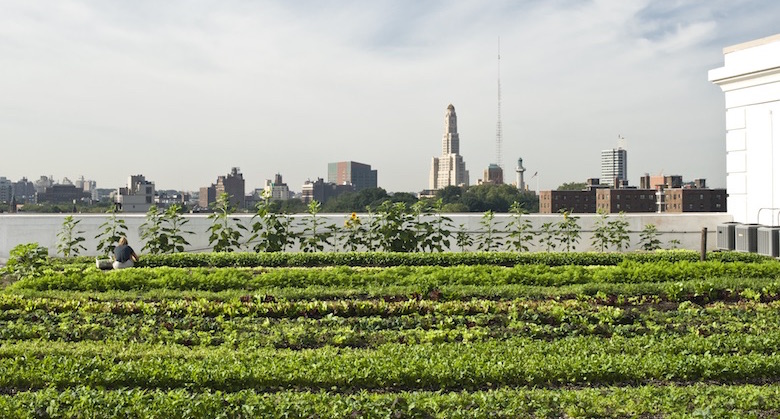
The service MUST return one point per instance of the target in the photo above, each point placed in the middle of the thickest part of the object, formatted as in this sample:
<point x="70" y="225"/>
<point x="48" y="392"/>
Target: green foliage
<point x="618" y="232"/>
<point x="225" y="236"/>
<point x="279" y="259"/>
<point x="287" y="206"/>
<point x="601" y="234"/>
<point x="572" y="186"/>
<point x="525" y="274"/>
<point x="371" y="231"/>
<point x="463" y="239"/>
<point x="272" y="231"/>
<point x="568" y="231"/>
<point x="353" y="237"/>
<point x="611" y="232"/>
<point x="497" y="198"/>
<point x="163" y="232"/>
<point x="472" y="367"/>
<point x="436" y="234"/>
<point x="80" y="207"/>
<point x="548" y="236"/>
<point x="69" y="239"/>
<point x="519" y="228"/>
<point x="356" y="201"/>
<point x="151" y="231"/>
<point x="26" y="261"/>
<point x="648" y="238"/>
<point x="394" y="226"/>
<point x="449" y="194"/>
<point x="708" y="400"/>
<point x="494" y="334"/>
<point x="112" y="230"/>
<point x="489" y="239"/>
<point x="315" y="237"/>
<point x="173" y="228"/>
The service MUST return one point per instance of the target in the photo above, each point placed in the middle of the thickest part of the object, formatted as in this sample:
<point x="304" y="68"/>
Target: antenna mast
<point x="499" y="131"/>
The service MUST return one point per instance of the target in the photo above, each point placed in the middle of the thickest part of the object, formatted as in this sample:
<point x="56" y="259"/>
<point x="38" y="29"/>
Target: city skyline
<point x="183" y="92"/>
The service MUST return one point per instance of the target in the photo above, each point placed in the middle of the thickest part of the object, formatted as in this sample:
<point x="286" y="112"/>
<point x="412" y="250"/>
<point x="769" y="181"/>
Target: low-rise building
<point x="695" y="200"/>
<point x="551" y="202"/>
<point x="322" y="191"/>
<point x="277" y="190"/>
<point x="207" y="196"/>
<point x="625" y="200"/>
<point x="62" y="194"/>
<point x="137" y="196"/>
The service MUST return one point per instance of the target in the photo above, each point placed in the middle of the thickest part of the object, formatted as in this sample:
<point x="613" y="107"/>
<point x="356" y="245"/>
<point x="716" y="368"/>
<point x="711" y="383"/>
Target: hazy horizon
<point x="183" y="91"/>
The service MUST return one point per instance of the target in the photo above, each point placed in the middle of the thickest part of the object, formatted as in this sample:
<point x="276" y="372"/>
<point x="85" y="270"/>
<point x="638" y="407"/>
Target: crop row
<point x="251" y="279"/>
<point x="259" y="305"/>
<point x="723" y="358"/>
<point x="699" y="291"/>
<point x="645" y="401"/>
<point x="505" y="320"/>
<point x="380" y="259"/>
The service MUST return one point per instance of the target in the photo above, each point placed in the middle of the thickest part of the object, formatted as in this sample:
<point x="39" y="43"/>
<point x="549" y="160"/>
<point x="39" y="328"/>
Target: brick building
<point x="625" y="200"/>
<point x="695" y="200"/>
<point x="551" y="202"/>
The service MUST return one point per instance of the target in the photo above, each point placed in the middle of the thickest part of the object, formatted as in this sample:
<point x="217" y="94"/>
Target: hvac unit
<point x="768" y="241"/>
<point x="745" y="238"/>
<point x="726" y="236"/>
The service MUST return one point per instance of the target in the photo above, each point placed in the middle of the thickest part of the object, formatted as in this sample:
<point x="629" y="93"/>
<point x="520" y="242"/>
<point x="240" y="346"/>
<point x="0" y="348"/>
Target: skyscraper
<point x="233" y="184"/>
<point x="449" y="169"/>
<point x="359" y="175"/>
<point x="613" y="166"/>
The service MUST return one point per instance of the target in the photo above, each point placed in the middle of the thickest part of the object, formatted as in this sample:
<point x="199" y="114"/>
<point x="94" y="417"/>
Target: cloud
<point x="181" y="91"/>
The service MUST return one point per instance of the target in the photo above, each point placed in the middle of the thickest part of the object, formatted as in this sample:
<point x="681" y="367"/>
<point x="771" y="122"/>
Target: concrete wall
<point x="18" y="229"/>
<point x="750" y="79"/>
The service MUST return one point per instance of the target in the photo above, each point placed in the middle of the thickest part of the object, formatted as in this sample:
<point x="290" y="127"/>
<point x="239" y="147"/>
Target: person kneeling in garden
<point x="124" y="256"/>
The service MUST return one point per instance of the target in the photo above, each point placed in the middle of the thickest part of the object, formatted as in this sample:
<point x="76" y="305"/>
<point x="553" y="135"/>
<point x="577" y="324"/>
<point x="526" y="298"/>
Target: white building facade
<point x="750" y="79"/>
<point x="614" y="166"/>
<point x="138" y="196"/>
<point x="277" y="190"/>
<point x="449" y="169"/>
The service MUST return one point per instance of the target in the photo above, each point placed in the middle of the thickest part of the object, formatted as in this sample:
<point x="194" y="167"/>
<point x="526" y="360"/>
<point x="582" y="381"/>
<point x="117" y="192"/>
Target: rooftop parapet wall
<point x="750" y="80"/>
<point x="686" y="228"/>
<point x="748" y="58"/>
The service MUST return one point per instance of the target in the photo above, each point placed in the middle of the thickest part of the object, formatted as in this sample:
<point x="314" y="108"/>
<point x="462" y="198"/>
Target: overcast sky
<point x="181" y="91"/>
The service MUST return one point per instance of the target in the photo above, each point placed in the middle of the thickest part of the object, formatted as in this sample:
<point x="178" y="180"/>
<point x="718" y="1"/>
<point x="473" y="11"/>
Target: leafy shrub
<point x="26" y="260"/>
<point x="69" y="239"/>
<point x="224" y="236"/>
<point x="112" y="230"/>
<point x="163" y="230"/>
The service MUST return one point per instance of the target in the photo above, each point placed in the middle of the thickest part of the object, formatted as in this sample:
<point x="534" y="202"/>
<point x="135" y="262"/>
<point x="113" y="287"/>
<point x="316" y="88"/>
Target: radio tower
<point x="499" y="133"/>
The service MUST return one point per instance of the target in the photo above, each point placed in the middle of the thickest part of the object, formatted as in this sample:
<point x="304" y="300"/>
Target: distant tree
<point x="99" y="207"/>
<point x="289" y="206"/>
<point x="356" y="201"/>
<point x="450" y="195"/>
<point x="573" y="186"/>
<point x="490" y="197"/>
<point x="529" y="201"/>
<point x="404" y="197"/>
<point x="454" y="207"/>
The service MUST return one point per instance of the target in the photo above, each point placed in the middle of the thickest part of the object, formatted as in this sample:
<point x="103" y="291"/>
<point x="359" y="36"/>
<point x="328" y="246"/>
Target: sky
<point x="181" y="91"/>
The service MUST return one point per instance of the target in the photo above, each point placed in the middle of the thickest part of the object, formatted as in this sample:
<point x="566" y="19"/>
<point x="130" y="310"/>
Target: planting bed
<point x="648" y="335"/>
